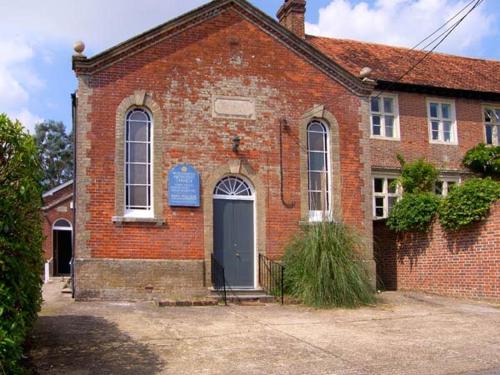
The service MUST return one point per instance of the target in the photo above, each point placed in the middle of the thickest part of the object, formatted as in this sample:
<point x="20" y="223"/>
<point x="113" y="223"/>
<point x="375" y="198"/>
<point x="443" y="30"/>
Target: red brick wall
<point x="229" y="56"/>
<point x="465" y="263"/>
<point x="414" y="127"/>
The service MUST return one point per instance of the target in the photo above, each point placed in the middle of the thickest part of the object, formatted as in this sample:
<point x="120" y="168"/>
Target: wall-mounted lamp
<point x="236" y="143"/>
<point x="284" y="124"/>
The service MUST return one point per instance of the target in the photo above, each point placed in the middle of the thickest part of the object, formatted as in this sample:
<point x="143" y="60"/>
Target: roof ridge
<point x="401" y="48"/>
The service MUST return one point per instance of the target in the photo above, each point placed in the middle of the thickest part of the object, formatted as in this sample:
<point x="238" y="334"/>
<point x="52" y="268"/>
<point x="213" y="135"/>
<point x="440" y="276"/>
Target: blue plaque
<point x="184" y="186"/>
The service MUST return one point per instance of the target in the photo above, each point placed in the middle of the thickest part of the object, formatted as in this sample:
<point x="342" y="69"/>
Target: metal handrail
<point x="219" y="279"/>
<point x="271" y="276"/>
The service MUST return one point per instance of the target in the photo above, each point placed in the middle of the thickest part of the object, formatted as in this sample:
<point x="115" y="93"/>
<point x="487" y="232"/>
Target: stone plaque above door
<point x="235" y="107"/>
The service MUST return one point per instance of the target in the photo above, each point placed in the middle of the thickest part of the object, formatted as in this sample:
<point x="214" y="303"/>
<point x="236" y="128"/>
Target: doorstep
<point x="201" y="302"/>
<point x="243" y="296"/>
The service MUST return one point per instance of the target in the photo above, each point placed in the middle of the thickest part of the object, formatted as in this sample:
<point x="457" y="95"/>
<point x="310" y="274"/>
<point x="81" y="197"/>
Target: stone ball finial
<point x="365" y="72"/>
<point x="79" y="47"/>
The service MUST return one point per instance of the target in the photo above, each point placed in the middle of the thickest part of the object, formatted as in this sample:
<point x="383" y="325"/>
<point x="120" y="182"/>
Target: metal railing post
<point x="282" y="285"/>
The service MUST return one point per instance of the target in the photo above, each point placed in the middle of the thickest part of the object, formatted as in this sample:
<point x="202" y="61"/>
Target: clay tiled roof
<point x="389" y="63"/>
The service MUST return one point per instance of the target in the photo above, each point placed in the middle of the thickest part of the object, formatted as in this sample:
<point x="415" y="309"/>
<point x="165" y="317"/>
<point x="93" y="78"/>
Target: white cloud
<point x="17" y="80"/>
<point x="100" y="24"/>
<point x="402" y="22"/>
<point x="30" y="28"/>
<point x="28" y="119"/>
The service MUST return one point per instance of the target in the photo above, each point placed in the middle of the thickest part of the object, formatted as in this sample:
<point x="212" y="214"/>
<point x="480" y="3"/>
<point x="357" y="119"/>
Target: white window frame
<point x="318" y="215"/>
<point x="453" y="119"/>
<point x="384" y="194"/>
<point x="138" y="213"/>
<point x="396" y="127"/>
<point x="446" y="180"/>
<point x="495" y="124"/>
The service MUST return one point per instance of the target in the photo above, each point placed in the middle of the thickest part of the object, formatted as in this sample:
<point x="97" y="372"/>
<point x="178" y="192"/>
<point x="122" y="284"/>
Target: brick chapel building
<point x="221" y="131"/>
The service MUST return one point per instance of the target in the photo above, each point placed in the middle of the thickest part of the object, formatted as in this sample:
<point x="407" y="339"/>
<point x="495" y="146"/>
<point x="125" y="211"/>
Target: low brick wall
<point x="464" y="263"/>
<point x="131" y="280"/>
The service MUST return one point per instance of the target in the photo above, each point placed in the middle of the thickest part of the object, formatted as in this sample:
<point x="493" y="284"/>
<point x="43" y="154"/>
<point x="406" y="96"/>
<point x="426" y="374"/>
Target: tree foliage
<point x="468" y="203"/>
<point x="21" y="260"/>
<point x="414" y="213"/>
<point x="484" y="160"/>
<point x="56" y="153"/>
<point x="417" y="177"/>
<point x="323" y="267"/>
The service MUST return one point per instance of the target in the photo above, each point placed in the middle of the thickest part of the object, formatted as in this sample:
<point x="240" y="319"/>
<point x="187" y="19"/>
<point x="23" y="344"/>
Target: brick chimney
<point x="292" y="16"/>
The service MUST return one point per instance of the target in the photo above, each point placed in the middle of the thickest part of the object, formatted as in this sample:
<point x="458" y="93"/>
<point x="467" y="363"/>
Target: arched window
<point x="319" y="180"/>
<point x="233" y="187"/>
<point x="138" y="163"/>
<point x="61" y="224"/>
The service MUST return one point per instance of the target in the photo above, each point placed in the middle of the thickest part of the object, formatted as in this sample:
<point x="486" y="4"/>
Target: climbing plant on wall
<point x="418" y="206"/>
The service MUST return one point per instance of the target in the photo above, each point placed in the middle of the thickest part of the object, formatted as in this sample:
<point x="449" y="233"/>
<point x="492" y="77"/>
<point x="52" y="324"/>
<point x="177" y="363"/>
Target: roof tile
<point x="390" y="63"/>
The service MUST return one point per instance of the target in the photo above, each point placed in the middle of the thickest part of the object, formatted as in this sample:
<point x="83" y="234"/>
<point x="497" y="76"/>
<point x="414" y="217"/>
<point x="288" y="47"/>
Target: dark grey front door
<point x="234" y="240"/>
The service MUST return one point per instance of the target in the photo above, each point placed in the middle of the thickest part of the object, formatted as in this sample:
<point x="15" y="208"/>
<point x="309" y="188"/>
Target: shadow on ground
<point x="73" y="344"/>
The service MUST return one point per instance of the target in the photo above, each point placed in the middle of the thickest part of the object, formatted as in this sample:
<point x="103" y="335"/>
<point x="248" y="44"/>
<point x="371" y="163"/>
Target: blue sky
<point x="36" y="37"/>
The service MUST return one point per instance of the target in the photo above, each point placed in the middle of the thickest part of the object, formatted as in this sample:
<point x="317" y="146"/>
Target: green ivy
<point x="414" y="212"/>
<point x="484" y="159"/>
<point x="468" y="203"/>
<point x="417" y="177"/>
<point x="21" y="260"/>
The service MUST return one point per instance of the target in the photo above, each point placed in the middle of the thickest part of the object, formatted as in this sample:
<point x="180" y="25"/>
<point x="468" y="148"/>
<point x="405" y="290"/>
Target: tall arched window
<point x="319" y="185"/>
<point x="138" y="163"/>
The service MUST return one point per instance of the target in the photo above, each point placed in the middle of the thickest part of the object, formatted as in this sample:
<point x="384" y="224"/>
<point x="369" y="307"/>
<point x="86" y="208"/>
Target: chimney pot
<point x="292" y="16"/>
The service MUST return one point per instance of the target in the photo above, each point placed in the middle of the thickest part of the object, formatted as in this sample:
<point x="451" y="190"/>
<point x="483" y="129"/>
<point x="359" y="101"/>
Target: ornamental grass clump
<point x="323" y="267"/>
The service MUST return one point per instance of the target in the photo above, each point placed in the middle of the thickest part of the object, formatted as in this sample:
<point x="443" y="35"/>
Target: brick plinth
<point x="113" y="279"/>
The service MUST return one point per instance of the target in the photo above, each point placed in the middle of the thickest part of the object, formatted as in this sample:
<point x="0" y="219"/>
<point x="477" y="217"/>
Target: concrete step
<point x="242" y="296"/>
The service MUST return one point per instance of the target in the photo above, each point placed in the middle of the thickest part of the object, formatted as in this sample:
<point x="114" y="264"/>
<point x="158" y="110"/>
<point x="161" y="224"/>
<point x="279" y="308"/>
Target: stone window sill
<point x="119" y="220"/>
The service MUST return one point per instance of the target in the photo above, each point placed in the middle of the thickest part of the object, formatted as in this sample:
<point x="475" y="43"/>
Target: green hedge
<point x="21" y="259"/>
<point x="414" y="212"/>
<point x="323" y="267"/>
<point x="468" y="203"/>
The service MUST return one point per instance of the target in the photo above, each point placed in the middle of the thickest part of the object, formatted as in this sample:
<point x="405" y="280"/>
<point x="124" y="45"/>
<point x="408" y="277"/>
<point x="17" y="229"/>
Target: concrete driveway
<point x="407" y="333"/>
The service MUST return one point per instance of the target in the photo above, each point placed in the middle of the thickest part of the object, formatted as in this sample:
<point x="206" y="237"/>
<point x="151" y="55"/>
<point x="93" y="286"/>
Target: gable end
<point x="85" y="66"/>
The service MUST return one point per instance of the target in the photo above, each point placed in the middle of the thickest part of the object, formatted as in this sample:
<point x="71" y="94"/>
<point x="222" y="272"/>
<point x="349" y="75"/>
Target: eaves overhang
<point x="382" y="85"/>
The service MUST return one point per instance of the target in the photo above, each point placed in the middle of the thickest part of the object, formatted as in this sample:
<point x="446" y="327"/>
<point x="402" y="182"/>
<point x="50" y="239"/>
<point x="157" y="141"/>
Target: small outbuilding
<point x="58" y="229"/>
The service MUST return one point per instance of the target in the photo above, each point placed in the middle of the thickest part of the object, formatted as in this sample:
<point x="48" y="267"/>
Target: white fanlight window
<point x="233" y="187"/>
<point x="62" y="224"/>
<point x="138" y="164"/>
<point x="319" y="179"/>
